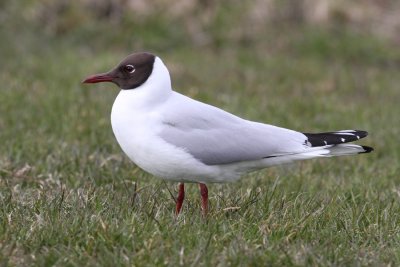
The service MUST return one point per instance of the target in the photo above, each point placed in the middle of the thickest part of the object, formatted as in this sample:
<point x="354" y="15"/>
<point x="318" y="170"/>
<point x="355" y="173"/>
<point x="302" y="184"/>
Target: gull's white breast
<point x="136" y="127"/>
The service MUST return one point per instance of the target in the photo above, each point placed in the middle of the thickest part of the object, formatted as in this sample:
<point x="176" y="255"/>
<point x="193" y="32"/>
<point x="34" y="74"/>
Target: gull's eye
<point x="130" y="68"/>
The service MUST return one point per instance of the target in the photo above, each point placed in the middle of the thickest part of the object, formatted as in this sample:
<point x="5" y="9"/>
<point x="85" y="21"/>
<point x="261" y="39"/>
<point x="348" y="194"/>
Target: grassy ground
<point x="69" y="197"/>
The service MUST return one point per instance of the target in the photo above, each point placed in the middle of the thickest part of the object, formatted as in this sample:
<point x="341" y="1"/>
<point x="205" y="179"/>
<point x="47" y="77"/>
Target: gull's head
<point x="132" y="72"/>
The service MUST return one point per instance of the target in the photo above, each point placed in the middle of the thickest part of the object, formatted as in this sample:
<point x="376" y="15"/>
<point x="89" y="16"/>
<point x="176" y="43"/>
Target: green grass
<point x="69" y="197"/>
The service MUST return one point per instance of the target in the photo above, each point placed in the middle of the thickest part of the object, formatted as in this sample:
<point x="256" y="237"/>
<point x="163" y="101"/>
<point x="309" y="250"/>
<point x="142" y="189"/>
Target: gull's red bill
<point x="98" y="78"/>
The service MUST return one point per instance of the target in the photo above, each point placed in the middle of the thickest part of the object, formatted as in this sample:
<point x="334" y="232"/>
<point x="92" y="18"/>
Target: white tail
<point x="347" y="149"/>
<point x="319" y="152"/>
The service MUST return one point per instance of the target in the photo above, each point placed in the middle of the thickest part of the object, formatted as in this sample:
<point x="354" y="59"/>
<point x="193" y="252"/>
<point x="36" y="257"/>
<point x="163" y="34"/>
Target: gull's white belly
<point x="137" y="136"/>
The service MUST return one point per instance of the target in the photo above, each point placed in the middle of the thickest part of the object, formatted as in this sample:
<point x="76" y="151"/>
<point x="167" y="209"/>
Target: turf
<point x="69" y="197"/>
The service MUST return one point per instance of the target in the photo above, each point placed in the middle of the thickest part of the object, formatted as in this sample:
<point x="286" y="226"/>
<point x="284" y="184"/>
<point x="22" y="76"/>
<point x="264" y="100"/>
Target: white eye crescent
<point x="130" y="68"/>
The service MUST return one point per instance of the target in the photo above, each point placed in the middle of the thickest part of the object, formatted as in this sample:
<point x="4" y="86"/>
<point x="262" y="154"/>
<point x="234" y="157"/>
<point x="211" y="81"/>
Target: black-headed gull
<point x="180" y="139"/>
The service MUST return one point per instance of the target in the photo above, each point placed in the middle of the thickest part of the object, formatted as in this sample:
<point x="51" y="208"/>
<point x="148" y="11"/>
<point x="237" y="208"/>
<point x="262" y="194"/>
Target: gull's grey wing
<point x="216" y="137"/>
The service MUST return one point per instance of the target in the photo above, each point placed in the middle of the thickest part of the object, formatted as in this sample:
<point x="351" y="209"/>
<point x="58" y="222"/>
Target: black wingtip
<point x="334" y="138"/>
<point x="367" y="149"/>
<point x="361" y="133"/>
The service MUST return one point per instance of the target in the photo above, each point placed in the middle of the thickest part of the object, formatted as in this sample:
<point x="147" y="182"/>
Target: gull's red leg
<point x="204" y="198"/>
<point x="180" y="198"/>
